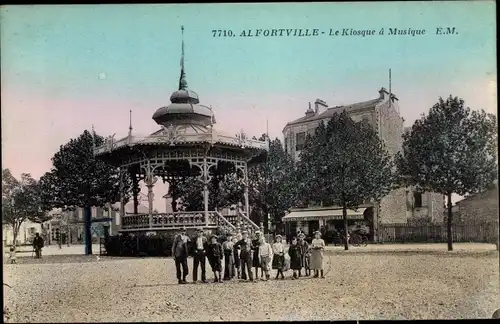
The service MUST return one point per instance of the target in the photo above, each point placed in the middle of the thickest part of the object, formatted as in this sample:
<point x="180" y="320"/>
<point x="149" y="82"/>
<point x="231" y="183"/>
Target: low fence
<point x="438" y="233"/>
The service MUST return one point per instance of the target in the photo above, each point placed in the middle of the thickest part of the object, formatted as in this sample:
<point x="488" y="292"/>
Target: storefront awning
<point x="324" y="214"/>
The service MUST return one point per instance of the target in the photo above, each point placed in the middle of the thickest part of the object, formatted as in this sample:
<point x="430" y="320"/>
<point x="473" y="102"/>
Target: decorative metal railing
<point x="247" y="222"/>
<point x="175" y="220"/>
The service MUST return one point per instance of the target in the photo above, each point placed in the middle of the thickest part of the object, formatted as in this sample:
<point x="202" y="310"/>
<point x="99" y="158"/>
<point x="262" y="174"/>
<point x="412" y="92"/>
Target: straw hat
<point x="278" y="236"/>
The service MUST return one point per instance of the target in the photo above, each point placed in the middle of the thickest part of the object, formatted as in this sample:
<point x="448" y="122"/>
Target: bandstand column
<point x="121" y="214"/>
<point x="205" y="189"/>
<point x="150" y="183"/>
<point x="247" y="205"/>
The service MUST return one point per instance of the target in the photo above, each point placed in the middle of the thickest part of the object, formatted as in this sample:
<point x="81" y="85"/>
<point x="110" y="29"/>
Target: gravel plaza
<point x="373" y="282"/>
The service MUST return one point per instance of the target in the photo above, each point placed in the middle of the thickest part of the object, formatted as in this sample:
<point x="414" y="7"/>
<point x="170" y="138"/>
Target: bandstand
<point x="186" y="145"/>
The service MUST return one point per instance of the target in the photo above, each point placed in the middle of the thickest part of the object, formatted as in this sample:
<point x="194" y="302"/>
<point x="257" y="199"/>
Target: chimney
<point x="309" y="112"/>
<point x="317" y="104"/>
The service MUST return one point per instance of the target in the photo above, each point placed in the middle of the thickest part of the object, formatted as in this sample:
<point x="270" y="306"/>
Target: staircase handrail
<point x="225" y="220"/>
<point x="242" y="214"/>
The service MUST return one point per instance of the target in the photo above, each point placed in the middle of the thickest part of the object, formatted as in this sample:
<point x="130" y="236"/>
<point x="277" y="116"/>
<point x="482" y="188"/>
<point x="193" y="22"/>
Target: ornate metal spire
<point x="130" y="124"/>
<point x="182" y="80"/>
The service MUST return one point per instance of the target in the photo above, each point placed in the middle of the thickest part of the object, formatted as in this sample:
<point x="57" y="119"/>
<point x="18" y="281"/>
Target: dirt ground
<point x="358" y="286"/>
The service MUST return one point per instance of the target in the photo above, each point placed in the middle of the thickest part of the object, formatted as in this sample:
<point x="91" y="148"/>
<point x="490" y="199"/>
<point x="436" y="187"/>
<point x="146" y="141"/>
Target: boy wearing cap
<point x="278" y="256"/>
<point x="245" y="246"/>
<point x="215" y="255"/>
<point x="200" y="252"/>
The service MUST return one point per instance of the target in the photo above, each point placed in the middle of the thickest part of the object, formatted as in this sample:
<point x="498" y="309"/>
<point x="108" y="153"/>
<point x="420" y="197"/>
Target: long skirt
<point x="256" y="263"/>
<point x="317" y="260"/>
<point x="264" y="264"/>
<point x="295" y="264"/>
<point x="236" y="259"/>
<point x="305" y="261"/>
<point x="278" y="261"/>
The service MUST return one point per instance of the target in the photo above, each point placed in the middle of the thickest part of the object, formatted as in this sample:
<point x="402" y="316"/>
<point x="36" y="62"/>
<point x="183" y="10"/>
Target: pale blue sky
<point x="51" y="57"/>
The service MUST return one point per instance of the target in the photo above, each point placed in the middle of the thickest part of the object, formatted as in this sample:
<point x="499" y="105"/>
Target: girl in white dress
<point x="317" y="247"/>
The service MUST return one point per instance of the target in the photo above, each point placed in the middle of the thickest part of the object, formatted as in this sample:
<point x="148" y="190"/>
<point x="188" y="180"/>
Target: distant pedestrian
<point x="200" y="252"/>
<point x="227" y="247"/>
<point x="12" y="255"/>
<point x="215" y="255"/>
<point x="38" y="245"/>
<point x="317" y="246"/>
<point x="278" y="256"/>
<point x="265" y="256"/>
<point x="180" y="253"/>
<point x="294" y="252"/>
<point x="245" y="244"/>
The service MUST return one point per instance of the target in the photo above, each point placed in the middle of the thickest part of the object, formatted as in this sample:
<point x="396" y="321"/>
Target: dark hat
<point x="183" y="228"/>
<point x="214" y="237"/>
<point x="200" y="230"/>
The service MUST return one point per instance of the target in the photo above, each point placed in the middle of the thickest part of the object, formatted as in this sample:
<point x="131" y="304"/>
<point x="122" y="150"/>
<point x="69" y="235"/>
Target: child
<point x="278" y="256"/>
<point x="215" y="255"/>
<point x="227" y="246"/>
<point x="265" y="255"/>
<point x="294" y="252"/>
<point x="255" y="248"/>
<point x="236" y="256"/>
<point x="12" y="255"/>
<point x="304" y="251"/>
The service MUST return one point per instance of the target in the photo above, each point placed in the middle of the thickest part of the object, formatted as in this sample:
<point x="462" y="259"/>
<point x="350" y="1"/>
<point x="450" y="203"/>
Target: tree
<point x="271" y="186"/>
<point x="77" y="179"/>
<point x="451" y="150"/>
<point x="224" y="191"/>
<point x="345" y="163"/>
<point x="21" y="201"/>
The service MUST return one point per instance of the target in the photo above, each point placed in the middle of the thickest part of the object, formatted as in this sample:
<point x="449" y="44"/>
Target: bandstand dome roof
<point x="184" y="123"/>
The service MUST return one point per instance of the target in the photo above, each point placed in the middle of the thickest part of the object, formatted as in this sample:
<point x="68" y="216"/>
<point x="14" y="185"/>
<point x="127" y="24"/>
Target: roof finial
<point x="182" y="81"/>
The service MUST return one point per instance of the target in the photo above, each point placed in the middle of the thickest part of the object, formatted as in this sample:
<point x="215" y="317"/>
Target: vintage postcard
<point x="250" y="162"/>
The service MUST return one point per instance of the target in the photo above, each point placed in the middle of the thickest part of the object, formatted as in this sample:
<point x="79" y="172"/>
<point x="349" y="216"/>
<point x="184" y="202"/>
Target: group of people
<point x="238" y="254"/>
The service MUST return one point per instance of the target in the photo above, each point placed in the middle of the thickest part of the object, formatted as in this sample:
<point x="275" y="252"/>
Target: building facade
<point x="26" y="233"/>
<point x="383" y="115"/>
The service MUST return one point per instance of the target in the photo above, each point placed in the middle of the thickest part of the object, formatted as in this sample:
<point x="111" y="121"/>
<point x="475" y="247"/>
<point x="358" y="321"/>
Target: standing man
<point x="245" y="245"/>
<point x="180" y="253"/>
<point x="38" y="245"/>
<point x="200" y="252"/>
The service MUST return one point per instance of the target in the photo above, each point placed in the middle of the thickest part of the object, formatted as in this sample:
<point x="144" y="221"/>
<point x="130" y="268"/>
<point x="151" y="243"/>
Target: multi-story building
<point x="383" y="114"/>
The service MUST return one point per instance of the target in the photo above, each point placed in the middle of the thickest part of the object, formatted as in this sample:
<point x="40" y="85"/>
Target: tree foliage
<point x="271" y="186"/>
<point x="345" y="163"/>
<point x="21" y="201"/>
<point x="453" y="149"/>
<point x="77" y="179"/>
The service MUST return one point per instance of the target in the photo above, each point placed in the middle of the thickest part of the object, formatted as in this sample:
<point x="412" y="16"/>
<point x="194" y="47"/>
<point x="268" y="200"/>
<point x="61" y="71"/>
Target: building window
<point x="300" y="141"/>
<point x="417" y="199"/>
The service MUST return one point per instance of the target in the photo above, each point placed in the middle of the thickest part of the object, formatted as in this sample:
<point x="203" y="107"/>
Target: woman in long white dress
<point x="317" y="247"/>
